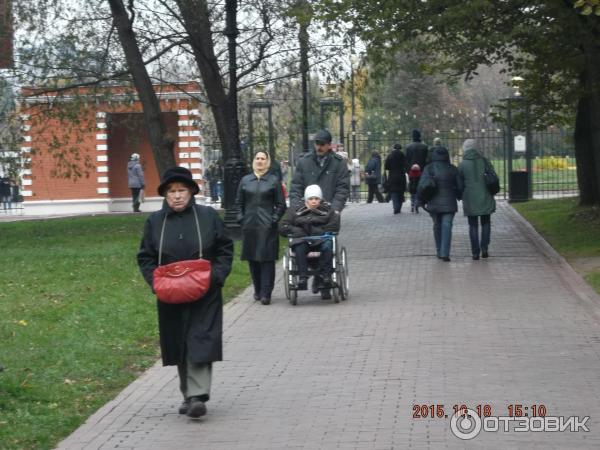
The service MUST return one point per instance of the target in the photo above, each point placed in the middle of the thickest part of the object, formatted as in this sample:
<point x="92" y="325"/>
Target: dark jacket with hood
<point x="477" y="201"/>
<point x="261" y="205"/>
<point x="395" y="164"/>
<point x="448" y="183"/>
<point x="332" y="177"/>
<point x="309" y="222"/>
<point x="196" y="328"/>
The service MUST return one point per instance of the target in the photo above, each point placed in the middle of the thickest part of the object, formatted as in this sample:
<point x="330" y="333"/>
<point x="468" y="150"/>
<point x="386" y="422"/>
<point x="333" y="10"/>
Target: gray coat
<point x="477" y="201"/>
<point x="135" y="175"/>
<point x="449" y="184"/>
<point x="333" y="178"/>
<point x="195" y="329"/>
<point x="261" y="205"/>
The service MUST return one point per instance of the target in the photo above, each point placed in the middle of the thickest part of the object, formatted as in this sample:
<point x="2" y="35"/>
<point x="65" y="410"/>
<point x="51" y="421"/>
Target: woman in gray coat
<point x="478" y="203"/>
<point x="190" y="333"/>
<point x="261" y="204"/>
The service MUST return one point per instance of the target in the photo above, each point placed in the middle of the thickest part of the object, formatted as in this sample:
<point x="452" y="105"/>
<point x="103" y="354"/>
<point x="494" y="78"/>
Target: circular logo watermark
<point x="465" y="424"/>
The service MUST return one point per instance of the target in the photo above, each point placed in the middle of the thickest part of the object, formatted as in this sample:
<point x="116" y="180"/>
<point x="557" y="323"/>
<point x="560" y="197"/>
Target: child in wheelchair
<point x="308" y="228"/>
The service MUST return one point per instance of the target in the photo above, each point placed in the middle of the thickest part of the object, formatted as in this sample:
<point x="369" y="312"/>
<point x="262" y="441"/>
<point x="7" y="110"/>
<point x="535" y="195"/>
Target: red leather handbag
<point x="182" y="281"/>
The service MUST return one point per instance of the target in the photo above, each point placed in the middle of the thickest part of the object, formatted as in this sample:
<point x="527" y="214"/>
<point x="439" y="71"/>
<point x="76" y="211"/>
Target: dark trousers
<point x="135" y="198"/>
<point x="397" y="200"/>
<point x="374" y="191"/>
<point x="214" y="191"/>
<point x="442" y="232"/>
<point x="263" y="277"/>
<point x="324" y="266"/>
<point x="486" y="230"/>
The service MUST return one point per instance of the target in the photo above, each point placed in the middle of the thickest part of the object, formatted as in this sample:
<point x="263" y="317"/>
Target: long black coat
<point x="195" y="329"/>
<point x="395" y="164"/>
<point x="261" y="205"/>
<point x="417" y="153"/>
<point x="449" y="186"/>
<point x="333" y="178"/>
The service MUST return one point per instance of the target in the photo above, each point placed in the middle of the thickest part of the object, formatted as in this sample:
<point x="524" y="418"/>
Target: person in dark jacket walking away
<point x="478" y="203"/>
<point x="442" y="206"/>
<point x="315" y="218"/>
<point x="322" y="167"/>
<point x="395" y="165"/>
<point x="260" y="204"/>
<point x="135" y="180"/>
<point x="373" y="177"/>
<point x="417" y="152"/>
<point x="190" y="333"/>
<point x="414" y="175"/>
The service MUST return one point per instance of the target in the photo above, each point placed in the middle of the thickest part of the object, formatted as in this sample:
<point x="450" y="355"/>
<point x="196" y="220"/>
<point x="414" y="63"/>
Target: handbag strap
<point x="162" y="234"/>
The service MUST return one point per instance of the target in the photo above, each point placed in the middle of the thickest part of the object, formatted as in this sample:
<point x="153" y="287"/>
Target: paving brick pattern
<point x="520" y="327"/>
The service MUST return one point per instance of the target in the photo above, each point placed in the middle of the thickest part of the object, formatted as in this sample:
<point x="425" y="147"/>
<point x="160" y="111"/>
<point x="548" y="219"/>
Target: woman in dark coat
<point x="443" y="204"/>
<point x="395" y="164"/>
<point x="373" y="177"/>
<point x="190" y="333"/>
<point x="261" y="204"/>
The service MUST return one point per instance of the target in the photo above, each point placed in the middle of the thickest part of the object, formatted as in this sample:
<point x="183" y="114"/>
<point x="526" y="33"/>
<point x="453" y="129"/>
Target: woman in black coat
<point x="190" y="333"/>
<point x="373" y="177"/>
<point x="261" y="204"/>
<point x="395" y="164"/>
<point x="442" y="206"/>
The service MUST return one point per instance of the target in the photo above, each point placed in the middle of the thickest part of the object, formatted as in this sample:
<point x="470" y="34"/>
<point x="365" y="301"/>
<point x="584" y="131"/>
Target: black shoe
<point x="302" y="284"/>
<point x="475" y="257"/>
<point x="256" y="297"/>
<point x="265" y="300"/>
<point x="315" y="284"/>
<point x="325" y="282"/>
<point x="183" y="408"/>
<point x="196" y="408"/>
<point x="484" y="254"/>
<point x="446" y="258"/>
<point x="326" y="294"/>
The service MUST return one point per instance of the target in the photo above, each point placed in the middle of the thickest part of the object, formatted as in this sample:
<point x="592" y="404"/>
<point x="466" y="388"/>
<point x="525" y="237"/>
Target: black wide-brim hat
<point x="180" y="174"/>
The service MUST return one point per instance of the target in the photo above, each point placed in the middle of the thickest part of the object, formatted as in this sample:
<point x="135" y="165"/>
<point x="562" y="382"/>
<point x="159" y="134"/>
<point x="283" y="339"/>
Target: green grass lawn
<point x="77" y="322"/>
<point x="572" y="230"/>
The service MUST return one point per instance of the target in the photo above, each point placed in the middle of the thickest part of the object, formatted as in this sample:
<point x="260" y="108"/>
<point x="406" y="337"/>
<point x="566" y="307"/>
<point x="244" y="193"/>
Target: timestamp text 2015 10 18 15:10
<point x="433" y="411"/>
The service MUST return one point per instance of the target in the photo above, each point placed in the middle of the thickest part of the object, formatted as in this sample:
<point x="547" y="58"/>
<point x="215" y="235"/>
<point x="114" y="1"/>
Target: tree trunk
<point x="584" y="155"/>
<point x="304" y="66"/>
<point x="196" y="20"/>
<point x="162" y="144"/>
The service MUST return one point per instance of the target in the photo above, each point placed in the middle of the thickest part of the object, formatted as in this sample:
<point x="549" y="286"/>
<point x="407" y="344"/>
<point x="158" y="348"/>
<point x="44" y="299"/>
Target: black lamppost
<point x="520" y="184"/>
<point x="353" y="61"/>
<point x="331" y="99"/>
<point x="260" y="103"/>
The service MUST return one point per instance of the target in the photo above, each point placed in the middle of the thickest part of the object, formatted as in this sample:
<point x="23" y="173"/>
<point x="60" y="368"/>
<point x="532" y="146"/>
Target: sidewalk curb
<point x="586" y="295"/>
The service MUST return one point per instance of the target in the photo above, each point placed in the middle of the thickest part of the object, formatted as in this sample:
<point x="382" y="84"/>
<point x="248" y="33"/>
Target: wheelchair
<point x="340" y="280"/>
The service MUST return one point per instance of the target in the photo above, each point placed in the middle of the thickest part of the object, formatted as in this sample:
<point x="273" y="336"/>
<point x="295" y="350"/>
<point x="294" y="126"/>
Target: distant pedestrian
<point x="135" y="180"/>
<point x="417" y="151"/>
<point x="478" y="203"/>
<point x="395" y="166"/>
<point x="261" y="204"/>
<point x="212" y="177"/>
<point x="373" y="178"/>
<point x="191" y="334"/>
<point x="442" y="205"/>
<point x="355" y="180"/>
<point x="5" y="193"/>
<point x="414" y="175"/>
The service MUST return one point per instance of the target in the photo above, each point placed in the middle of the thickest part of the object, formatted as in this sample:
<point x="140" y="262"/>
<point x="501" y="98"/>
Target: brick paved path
<point x="520" y="327"/>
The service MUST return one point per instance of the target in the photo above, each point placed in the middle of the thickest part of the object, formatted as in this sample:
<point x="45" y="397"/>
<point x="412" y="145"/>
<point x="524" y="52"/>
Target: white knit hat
<point x="313" y="190"/>
<point x="134" y="156"/>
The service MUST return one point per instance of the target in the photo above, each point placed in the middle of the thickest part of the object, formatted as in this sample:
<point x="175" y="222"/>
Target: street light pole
<point x="353" y="104"/>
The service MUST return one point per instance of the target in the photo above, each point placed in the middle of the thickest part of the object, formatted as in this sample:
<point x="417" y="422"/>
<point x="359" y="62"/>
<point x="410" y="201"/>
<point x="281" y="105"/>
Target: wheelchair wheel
<point x="344" y="279"/>
<point x="287" y="278"/>
<point x="293" y="297"/>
